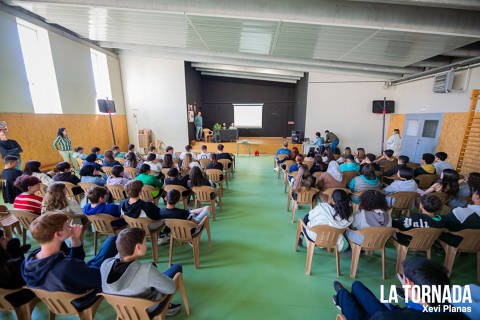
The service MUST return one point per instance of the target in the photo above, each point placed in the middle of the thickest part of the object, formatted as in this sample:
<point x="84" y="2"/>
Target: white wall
<point x="155" y="92"/>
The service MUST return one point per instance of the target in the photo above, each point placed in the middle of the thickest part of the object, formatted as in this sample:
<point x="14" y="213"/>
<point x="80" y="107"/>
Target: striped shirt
<point x="64" y="142"/>
<point x="29" y="202"/>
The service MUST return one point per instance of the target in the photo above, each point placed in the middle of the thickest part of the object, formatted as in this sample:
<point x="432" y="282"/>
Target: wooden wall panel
<point x="396" y="122"/>
<point x="36" y="132"/>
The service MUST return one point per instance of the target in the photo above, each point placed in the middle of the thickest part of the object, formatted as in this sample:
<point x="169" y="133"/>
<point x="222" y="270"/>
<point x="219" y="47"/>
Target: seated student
<point x="319" y="141"/>
<point x="427" y="218"/>
<point x="135" y="207"/>
<point x="214" y="164"/>
<point x="448" y="183"/>
<point x="131" y="148"/>
<point x="372" y="212"/>
<point x="109" y="161"/>
<point x="119" y="177"/>
<point x="402" y="162"/>
<point x="188" y="163"/>
<point x="96" y="150"/>
<point x="293" y="155"/>
<point x="65" y="174"/>
<point x="11" y="258"/>
<point x="154" y="163"/>
<point x="366" y="181"/>
<point x="177" y="180"/>
<point x="117" y="153"/>
<point x="232" y="126"/>
<point x="9" y="175"/>
<point x="426" y="165"/>
<point x="464" y="218"/>
<point x="298" y="162"/>
<point x="124" y="275"/>
<point x="188" y="150"/>
<point x="92" y="175"/>
<point x="370" y="159"/>
<point x="27" y="200"/>
<point x="131" y="161"/>
<point x="283" y="150"/>
<point x="79" y="153"/>
<point x="144" y="175"/>
<point x="50" y="269"/>
<point x="360" y="155"/>
<point x="386" y="159"/>
<point x="350" y="164"/>
<point x="224" y="126"/>
<point x="333" y="178"/>
<point x="405" y="184"/>
<point x="328" y="155"/>
<point x="346" y="153"/>
<point x="98" y="204"/>
<point x="361" y="303"/>
<point x="56" y="200"/>
<point x="338" y="216"/>
<point x="223" y="155"/>
<point x="440" y="164"/>
<point x="303" y="179"/>
<point x="198" y="179"/>
<point x="168" y="162"/>
<point x="169" y="150"/>
<point x="92" y="161"/>
<point x="310" y="156"/>
<point x="32" y="168"/>
<point x="318" y="165"/>
<point x="204" y="154"/>
<point x="469" y="185"/>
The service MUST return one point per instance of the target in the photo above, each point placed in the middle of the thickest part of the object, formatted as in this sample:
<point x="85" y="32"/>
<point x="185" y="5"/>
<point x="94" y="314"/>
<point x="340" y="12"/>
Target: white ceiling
<point x="342" y="44"/>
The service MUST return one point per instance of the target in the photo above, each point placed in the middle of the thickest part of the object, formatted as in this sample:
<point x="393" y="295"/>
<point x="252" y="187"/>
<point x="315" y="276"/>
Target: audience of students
<point x="79" y="153"/>
<point x="9" y="174"/>
<point x="448" y="184"/>
<point x="350" y="164"/>
<point x="214" y="164"/>
<point x="154" y="163"/>
<point x="177" y="180"/>
<point x="370" y="159"/>
<point x="28" y="200"/>
<point x="401" y="162"/>
<point x="386" y="161"/>
<point x="98" y="204"/>
<point x="405" y="183"/>
<point x="303" y="179"/>
<point x="440" y="163"/>
<point x="118" y="177"/>
<point x="169" y="150"/>
<point x="187" y="163"/>
<point x="56" y="200"/>
<point x="318" y="165"/>
<point x="310" y="156"/>
<point x="168" y="162"/>
<point x="347" y="152"/>
<point x="198" y="179"/>
<point x="366" y="181"/>
<point x="426" y="165"/>
<point x="32" y="168"/>
<point x="204" y="154"/>
<point x="131" y="148"/>
<point x="144" y="175"/>
<point x="131" y="161"/>
<point x="223" y="155"/>
<point x="109" y="160"/>
<point x="89" y="174"/>
<point x="65" y="173"/>
<point x="464" y="218"/>
<point x="283" y="150"/>
<point x="469" y="185"/>
<point x="92" y="161"/>
<point x="188" y="150"/>
<point x="298" y="162"/>
<point x="332" y="178"/>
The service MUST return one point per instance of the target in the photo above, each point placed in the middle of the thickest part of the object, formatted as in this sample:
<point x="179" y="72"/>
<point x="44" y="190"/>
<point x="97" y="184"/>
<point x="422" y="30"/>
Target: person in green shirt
<point x="332" y="139"/>
<point x="199" y="126"/>
<point x="63" y="145"/>
<point x="117" y="153"/>
<point x="149" y="180"/>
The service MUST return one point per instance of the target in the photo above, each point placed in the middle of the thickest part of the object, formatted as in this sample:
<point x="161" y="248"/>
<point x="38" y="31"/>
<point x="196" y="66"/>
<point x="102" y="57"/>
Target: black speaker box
<point x="106" y="106"/>
<point x="378" y="106"/>
<point x="297" y="137"/>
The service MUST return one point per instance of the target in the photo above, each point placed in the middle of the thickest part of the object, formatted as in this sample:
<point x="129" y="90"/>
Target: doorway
<point x="420" y="134"/>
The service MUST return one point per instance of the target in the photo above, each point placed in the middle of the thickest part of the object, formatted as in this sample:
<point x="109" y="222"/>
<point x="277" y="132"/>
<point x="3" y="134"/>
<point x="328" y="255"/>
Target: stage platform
<point x="264" y="145"/>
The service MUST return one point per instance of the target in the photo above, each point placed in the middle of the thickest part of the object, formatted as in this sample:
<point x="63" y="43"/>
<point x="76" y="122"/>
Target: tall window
<point x="37" y="57"/>
<point x="100" y="75"/>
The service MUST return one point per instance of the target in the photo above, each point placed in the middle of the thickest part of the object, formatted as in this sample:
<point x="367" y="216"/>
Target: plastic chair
<point x="349" y="175"/>
<point x="130" y="308"/>
<point x="403" y="201"/>
<point x="422" y="240"/>
<point x="215" y="176"/>
<point x="288" y="164"/>
<point x="43" y="190"/>
<point x="86" y="186"/>
<point x="426" y="180"/>
<point x="59" y="302"/>
<point x="102" y="224"/>
<point x="207" y="135"/>
<point x="180" y="189"/>
<point x="202" y="195"/>
<point x="413" y="165"/>
<point x="327" y="237"/>
<point x="227" y="168"/>
<point x="317" y="174"/>
<point x="107" y="170"/>
<point x="165" y="172"/>
<point x="374" y="238"/>
<point x="280" y="157"/>
<point x="70" y="193"/>
<point x="25" y="217"/>
<point x="23" y="312"/>
<point x="204" y="163"/>
<point x="304" y="196"/>
<point x="442" y="196"/>
<point x="327" y="193"/>
<point x="388" y="165"/>
<point x="470" y="244"/>
<point x="181" y="231"/>
<point x="121" y="160"/>
<point x="142" y="223"/>
<point x="132" y="172"/>
<point x="117" y="192"/>
<point x="146" y="194"/>
<point x="79" y="162"/>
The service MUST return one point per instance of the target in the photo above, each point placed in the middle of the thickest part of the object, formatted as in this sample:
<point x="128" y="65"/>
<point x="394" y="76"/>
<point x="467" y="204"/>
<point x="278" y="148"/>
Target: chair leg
<point x="24" y="235"/>
<point x="51" y="315"/>
<point x="288" y="202"/>
<point x="401" y="255"/>
<point x="450" y="253"/>
<point x="299" y="230"/>
<point x="356" y="249"/>
<point x="196" y="253"/>
<point x="185" y="203"/>
<point x="226" y="182"/>
<point x="429" y="253"/>
<point x="8" y="232"/>
<point x="220" y="203"/>
<point x="294" y="206"/>
<point x="337" y="257"/>
<point x="154" y="238"/>
<point x="181" y="288"/>
<point x="95" y="238"/>
<point x="170" y="252"/>
<point x="207" y="226"/>
<point x="383" y="263"/>
<point x="310" y="249"/>
<point x="212" y="204"/>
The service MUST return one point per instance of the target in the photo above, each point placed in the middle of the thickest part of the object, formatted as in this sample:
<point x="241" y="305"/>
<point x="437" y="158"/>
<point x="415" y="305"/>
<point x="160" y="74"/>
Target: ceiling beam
<point x="247" y="74"/>
<point x="276" y="72"/>
<point x="452" y="4"/>
<point x="264" y="78"/>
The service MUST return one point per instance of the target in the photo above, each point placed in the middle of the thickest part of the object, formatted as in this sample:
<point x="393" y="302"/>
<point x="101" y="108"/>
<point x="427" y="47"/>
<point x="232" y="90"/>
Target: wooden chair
<point x="43" y="190"/>
<point x="204" y="163"/>
<point x="142" y="223"/>
<point x="228" y="170"/>
<point x="470" y="244"/>
<point x="25" y="217"/>
<point x="403" y="201"/>
<point x="327" y="193"/>
<point x="121" y="160"/>
<point x="117" y="192"/>
<point x="374" y="238"/>
<point x="102" y="224"/>
<point x="349" y="175"/>
<point x="146" y="194"/>
<point x="107" y="170"/>
<point x="132" y="172"/>
<point x="304" y="196"/>
<point x="23" y="312"/>
<point x="180" y="189"/>
<point x="59" y="302"/>
<point x="181" y="232"/>
<point x="86" y="186"/>
<point x="426" y="180"/>
<point x="202" y="195"/>
<point x="70" y="193"/>
<point x="327" y="237"/>
<point x="207" y="135"/>
<point x="129" y="308"/>
<point x="215" y="176"/>
<point x="280" y="157"/>
<point x="422" y="240"/>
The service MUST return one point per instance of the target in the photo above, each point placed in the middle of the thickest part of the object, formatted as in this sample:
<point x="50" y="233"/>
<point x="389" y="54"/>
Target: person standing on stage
<point x="9" y="147"/>
<point x="394" y="142"/>
<point x="199" y="126"/>
<point x="63" y="144"/>
<point x="332" y="139"/>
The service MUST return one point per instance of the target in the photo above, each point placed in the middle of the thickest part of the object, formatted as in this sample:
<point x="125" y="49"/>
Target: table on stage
<point x="244" y="142"/>
<point x="228" y="135"/>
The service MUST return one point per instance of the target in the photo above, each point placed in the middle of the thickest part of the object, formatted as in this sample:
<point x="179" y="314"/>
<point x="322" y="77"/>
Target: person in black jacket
<point x="177" y="180"/>
<point x="370" y="159"/>
<point x="9" y="175"/>
<point x="223" y="155"/>
<point x="9" y="147"/>
<point x="402" y="163"/>
<point x="361" y="303"/>
<point x="66" y="174"/>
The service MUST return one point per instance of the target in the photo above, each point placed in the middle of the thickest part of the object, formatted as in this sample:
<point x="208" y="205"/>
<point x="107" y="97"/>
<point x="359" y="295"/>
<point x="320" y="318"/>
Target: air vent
<point x="442" y="83"/>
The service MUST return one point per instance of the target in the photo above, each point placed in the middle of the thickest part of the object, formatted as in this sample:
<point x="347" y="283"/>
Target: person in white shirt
<point x="232" y="126"/>
<point x="394" y="142"/>
<point x="153" y="162"/>
<point x="169" y="150"/>
<point x="188" y="150"/>
<point x="440" y="164"/>
<point x="204" y="154"/>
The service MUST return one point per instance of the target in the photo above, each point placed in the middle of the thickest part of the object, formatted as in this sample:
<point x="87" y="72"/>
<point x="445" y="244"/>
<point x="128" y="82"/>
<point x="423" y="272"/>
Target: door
<point x="420" y="135"/>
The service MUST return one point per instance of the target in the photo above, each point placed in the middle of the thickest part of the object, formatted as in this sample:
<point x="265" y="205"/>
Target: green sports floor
<point x="252" y="270"/>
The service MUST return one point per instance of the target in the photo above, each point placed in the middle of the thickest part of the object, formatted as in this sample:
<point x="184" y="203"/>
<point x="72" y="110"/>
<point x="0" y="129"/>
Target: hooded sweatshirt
<point x="364" y="219"/>
<point x="105" y="208"/>
<point x="400" y="186"/>
<point x="140" y="209"/>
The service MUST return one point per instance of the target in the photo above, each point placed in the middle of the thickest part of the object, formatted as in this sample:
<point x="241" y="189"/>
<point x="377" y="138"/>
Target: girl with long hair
<point x="63" y="145"/>
<point x="32" y="168"/>
<point x="448" y="184"/>
<point x="109" y="160"/>
<point x="131" y="160"/>
<point x="56" y="200"/>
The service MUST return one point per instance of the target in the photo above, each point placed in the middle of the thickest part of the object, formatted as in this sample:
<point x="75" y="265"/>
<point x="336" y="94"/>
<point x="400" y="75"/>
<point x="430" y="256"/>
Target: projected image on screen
<point x="248" y="115"/>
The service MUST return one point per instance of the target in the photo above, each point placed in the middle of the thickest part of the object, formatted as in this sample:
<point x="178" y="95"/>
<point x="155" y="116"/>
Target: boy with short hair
<point x="387" y="159"/>
<point x="117" y="153"/>
<point x="204" y="154"/>
<point x="370" y="158"/>
<point x="440" y="164"/>
<point x="426" y="165"/>
<point x="96" y="150"/>
<point x="169" y="149"/>
<point x="223" y="155"/>
<point x="98" y="204"/>
<point x="79" y="153"/>
<point x="188" y="150"/>
<point x="124" y="275"/>
<point x="9" y="175"/>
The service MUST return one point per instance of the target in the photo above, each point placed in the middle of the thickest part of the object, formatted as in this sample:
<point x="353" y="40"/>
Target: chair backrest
<point x="349" y="175"/>
<point x="165" y="172"/>
<point x="25" y="217"/>
<point x="404" y="200"/>
<point x="107" y="170"/>
<point x="214" y="175"/>
<point x="471" y="240"/>
<point x="388" y="165"/>
<point x="282" y="156"/>
<point x="43" y="190"/>
<point x="204" y="162"/>
<point x="5" y="305"/>
<point x="317" y="174"/>
<point x="121" y="160"/>
<point x="413" y="165"/>
<point x="305" y="195"/>
<point x="327" y="236"/>
<point x="102" y="222"/>
<point x="86" y="186"/>
<point x="207" y="132"/>
<point x="203" y="193"/>
<point x="329" y="192"/>
<point x="423" y="238"/>
<point x="117" y="191"/>
<point x="79" y="162"/>
<point x="442" y="196"/>
<point x="374" y="238"/>
<point x="426" y="180"/>
<point x="58" y="302"/>
<point x="293" y="174"/>
<point x="146" y="193"/>
<point x="130" y="308"/>
<point x="180" y="189"/>
<point x="132" y="172"/>
<point x="180" y="229"/>
<point x="69" y="187"/>
<point x="288" y="164"/>
<point x="227" y="164"/>
<point x="141" y="223"/>
<point x="308" y="163"/>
